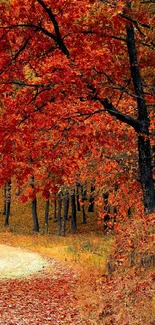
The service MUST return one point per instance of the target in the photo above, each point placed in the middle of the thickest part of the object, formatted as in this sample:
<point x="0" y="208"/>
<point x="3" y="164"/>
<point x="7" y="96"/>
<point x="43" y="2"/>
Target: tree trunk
<point x="66" y="205"/>
<point x="7" y="202"/>
<point x="73" y="205"/>
<point x="47" y="206"/>
<point x="146" y="176"/>
<point x="5" y="199"/>
<point x="84" y="198"/>
<point x="55" y="209"/>
<point x="140" y="125"/>
<point x="59" y="214"/>
<point x="144" y="148"/>
<point x="34" y="215"/>
<point x="65" y="214"/>
<point x="77" y="196"/>
<point x="34" y="209"/>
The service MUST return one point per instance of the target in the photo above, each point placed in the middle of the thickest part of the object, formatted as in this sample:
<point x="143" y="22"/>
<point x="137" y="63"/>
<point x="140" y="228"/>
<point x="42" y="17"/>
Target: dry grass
<point x="87" y="248"/>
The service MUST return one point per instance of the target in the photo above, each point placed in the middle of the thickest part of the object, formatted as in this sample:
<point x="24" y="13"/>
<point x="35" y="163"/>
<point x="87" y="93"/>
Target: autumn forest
<point x="77" y="157"/>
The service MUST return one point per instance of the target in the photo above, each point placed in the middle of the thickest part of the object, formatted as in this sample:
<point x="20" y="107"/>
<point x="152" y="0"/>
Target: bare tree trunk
<point x="73" y="205"/>
<point x="34" y="209"/>
<point x="34" y="215"/>
<point x="66" y="209"/>
<point x="66" y="204"/>
<point x="84" y="198"/>
<point x="47" y="206"/>
<point x="77" y="196"/>
<point x="7" y="203"/>
<point x="55" y="209"/>
<point x="5" y="199"/>
<point x="59" y="213"/>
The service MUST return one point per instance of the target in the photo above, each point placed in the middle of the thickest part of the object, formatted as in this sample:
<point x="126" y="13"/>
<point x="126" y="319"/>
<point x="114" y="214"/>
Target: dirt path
<point x="36" y="291"/>
<point x="16" y="262"/>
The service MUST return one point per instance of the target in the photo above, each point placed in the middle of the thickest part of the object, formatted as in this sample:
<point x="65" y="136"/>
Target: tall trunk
<point x="34" y="215"/>
<point x="77" y="196"/>
<point x="64" y="225"/>
<point x="5" y="199"/>
<point x="65" y="214"/>
<point x="73" y="205"/>
<point x="59" y="213"/>
<point x="7" y="202"/>
<point x="34" y="208"/>
<point x="84" y="198"/>
<point x="144" y="148"/>
<point x="146" y="176"/>
<point x="47" y="206"/>
<point x="66" y="205"/>
<point x="55" y="209"/>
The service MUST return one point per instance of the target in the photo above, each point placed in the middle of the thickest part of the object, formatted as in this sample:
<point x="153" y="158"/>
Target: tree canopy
<point x="77" y="94"/>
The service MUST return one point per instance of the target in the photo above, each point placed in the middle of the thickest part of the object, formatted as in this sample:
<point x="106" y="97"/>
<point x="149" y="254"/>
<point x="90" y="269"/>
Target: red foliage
<point x="59" y="60"/>
<point x="45" y="299"/>
<point x="62" y="63"/>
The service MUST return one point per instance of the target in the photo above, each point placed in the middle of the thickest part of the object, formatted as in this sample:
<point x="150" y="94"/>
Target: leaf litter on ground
<point x="46" y="298"/>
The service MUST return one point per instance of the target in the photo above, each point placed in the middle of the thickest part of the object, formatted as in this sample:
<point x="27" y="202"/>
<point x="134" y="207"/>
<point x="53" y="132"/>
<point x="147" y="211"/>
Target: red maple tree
<point x="69" y="73"/>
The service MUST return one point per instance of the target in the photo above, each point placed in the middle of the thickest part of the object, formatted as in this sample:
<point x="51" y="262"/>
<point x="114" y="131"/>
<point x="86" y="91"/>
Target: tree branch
<point x="59" y="39"/>
<point x="136" y="22"/>
<point x="22" y="48"/>
<point x="22" y="84"/>
<point x="137" y="125"/>
<point x="103" y="35"/>
<point x="45" y="31"/>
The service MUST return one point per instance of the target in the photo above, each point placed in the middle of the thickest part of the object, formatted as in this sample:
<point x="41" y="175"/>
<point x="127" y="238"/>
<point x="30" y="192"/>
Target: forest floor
<point x="43" y="283"/>
<point x="47" y="297"/>
<point x="37" y="289"/>
<point x="65" y="291"/>
<point x="70" y="285"/>
<point x="67" y="287"/>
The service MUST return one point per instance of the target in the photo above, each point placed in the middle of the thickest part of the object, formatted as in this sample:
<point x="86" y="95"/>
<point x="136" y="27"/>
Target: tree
<point x="141" y="125"/>
<point x="68" y="72"/>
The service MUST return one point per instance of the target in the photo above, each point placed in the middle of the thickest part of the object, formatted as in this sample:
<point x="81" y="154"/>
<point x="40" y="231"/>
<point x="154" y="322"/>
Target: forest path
<point x="16" y="262"/>
<point x="37" y="291"/>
